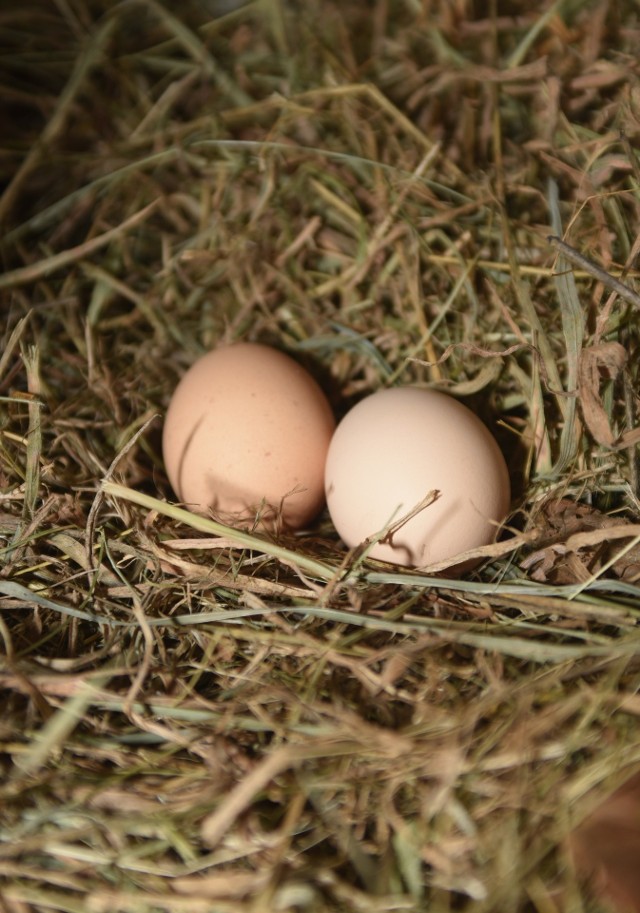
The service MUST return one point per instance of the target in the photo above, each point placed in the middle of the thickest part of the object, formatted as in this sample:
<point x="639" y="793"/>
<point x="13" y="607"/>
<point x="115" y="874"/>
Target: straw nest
<point x="193" y="722"/>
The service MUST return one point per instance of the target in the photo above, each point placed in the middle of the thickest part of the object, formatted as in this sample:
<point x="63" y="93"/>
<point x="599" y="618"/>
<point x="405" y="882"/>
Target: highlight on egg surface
<point x="246" y="436"/>
<point x="391" y="451"/>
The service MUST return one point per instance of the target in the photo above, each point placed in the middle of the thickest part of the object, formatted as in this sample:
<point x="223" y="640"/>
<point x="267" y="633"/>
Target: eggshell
<point x="390" y="451"/>
<point x="246" y="436"/>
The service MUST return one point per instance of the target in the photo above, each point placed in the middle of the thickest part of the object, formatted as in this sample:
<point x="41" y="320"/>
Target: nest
<point x="432" y="193"/>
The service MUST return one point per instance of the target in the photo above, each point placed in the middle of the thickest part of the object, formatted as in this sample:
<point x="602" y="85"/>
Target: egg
<point x="390" y="452"/>
<point x="246" y="436"/>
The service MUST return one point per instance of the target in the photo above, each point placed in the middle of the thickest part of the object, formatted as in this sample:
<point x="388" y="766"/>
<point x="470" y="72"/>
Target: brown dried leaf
<point x="605" y="360"/>
<point x="576" y="540"/>
<point x="606" y="848"/>
<point x="628" y="439"/>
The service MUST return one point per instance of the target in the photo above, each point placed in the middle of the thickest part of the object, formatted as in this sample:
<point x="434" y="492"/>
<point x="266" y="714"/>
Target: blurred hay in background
<point x="193" y="723"/>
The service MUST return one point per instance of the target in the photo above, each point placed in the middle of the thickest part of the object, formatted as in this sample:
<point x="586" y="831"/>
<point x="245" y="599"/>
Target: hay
<point x="201" y="720"/>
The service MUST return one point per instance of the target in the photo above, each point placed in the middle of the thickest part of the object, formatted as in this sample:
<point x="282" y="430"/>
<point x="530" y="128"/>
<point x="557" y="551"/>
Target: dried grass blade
<point x="34" y="435"/>
<point x="28" y="598"/>
<point x="216" y="824"/>
<point x="573" y="330"/>
<point x="59" y="726"/>
<point x="56" y="211"/>
<point x="596" y="271"/>
<point x="87" y="60"/>
<point x="197" y="50"/>
<point x="42" y="268"/>
<point x="205" y="525"/>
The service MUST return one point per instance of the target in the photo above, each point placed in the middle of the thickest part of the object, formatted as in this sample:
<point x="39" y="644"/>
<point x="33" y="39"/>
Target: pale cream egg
<point x="390" y="453"/>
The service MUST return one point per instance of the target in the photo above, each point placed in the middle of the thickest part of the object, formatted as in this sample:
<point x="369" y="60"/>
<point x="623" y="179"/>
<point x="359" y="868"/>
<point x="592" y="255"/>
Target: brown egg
<point x="246" y="437"/>
<point x="394" y="448"/>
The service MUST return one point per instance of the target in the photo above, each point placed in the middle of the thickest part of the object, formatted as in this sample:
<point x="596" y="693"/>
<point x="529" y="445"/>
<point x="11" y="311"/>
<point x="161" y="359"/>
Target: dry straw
<point x="201" y="719"/>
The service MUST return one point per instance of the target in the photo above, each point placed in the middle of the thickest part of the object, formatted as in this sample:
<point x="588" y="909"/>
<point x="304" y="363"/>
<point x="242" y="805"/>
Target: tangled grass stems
<point x="196" y="721"/>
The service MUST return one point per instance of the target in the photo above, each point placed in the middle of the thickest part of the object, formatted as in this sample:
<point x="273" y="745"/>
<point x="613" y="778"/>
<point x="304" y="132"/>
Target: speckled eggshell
<point x="390" y="451"/>
<point x="246" y="437"/>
